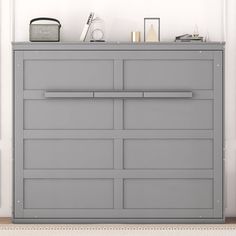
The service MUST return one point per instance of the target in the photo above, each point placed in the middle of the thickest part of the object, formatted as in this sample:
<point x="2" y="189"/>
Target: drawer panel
<point x="68" y="114"/>
<point x="168" y="114"/>
<point x="68" y="74"/>
<point x="68" y="193"/>
<point x="168" y="154"/>
<point x="168" y="74"/>
<point x="168" y="193"/>
<point x="68" y="154"/>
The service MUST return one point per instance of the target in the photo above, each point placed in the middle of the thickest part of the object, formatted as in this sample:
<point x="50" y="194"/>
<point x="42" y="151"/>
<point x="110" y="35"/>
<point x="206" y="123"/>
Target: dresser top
<point x="117" y="46"/>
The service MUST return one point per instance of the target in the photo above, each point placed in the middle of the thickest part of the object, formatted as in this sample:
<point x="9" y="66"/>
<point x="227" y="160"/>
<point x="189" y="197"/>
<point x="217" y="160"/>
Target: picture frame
<point x="152" y="28"/>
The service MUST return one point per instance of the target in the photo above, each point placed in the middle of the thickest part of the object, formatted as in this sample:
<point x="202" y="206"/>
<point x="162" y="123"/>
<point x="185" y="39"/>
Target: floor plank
<point x="230" y="220"/>
<point x="5" y="220"/>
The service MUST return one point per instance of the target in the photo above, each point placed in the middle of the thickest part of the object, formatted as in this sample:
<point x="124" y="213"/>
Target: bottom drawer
<point x="168" y="193"/>
<point x="107" y="200"/>
<point x="68" y="193"/>
<point x="147" y="200"/>
<point x="101" y="194"/>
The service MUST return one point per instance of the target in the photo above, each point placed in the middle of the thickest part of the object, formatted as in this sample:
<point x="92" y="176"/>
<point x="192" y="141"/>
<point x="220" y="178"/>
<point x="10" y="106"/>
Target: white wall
<point x="121" y="17"/>
<point x="6" y="108"/>
<point x="230" y="108"/>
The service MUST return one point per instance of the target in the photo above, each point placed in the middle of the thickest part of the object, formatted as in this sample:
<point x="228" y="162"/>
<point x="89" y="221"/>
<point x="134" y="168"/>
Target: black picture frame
<point x="158" y="29"/>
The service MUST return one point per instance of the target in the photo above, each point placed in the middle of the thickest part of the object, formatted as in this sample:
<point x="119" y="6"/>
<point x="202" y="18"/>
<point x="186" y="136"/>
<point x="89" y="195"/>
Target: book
<point x="86" y="27"/>
<point x="188" y="38"/>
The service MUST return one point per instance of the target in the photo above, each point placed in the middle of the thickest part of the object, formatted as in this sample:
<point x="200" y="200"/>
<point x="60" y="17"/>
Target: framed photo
<point x="152" y="29"/>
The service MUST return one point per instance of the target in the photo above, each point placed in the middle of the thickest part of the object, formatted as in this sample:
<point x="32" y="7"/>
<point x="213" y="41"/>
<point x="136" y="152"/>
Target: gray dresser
<point x="123" y="133"/>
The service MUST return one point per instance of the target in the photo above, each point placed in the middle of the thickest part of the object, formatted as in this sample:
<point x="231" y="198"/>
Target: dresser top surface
<point x="117" y="46"/>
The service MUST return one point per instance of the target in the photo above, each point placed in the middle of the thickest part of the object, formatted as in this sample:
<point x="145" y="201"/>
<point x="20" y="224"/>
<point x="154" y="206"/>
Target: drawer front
<point x="68" y="154"/>
<point x="68" y="114"/>
<point x="168" y="154"/>
<point x="168" y="194"/>
<point x="84" y="70"/>
<point x="168" y="114"/>
<point x="168" y="74"/>
<point x="68" y="74"/>
<point x="68" y="193"/>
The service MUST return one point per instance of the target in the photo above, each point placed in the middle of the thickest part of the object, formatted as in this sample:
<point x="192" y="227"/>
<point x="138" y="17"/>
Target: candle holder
<point x="135" y="37"/>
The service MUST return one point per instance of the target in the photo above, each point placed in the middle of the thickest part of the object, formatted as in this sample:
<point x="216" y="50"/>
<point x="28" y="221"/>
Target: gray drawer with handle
<point x="118" y="133"/>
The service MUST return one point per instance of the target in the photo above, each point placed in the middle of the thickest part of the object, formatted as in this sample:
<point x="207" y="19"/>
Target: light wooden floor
<point x="231" y="220"/>
<point x="5" y="220"/>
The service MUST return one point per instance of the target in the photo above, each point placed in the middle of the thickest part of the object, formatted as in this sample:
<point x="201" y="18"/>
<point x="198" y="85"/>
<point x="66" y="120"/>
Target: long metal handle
<point x="117" y="94"/>
<point x="57" y="94"/>
<point x="185" y="94"/>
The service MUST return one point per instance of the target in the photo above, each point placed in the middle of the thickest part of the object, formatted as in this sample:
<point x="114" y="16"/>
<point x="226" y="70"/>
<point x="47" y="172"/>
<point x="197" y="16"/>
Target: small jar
<point x="135" y="37"/>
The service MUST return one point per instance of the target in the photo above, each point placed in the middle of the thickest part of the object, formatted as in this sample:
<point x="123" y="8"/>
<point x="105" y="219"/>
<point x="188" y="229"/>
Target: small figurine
<point x="151" y="35"/>
<point x="195" y="32"/>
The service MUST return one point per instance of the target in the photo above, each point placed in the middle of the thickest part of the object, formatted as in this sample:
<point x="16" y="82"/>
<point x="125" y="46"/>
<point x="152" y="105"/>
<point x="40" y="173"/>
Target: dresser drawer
<point x="97" y="70"/>
<point x="68" y="154"/>
<point x="168" y="193"/>
<point x="68" y="114"/>
<point x="68" y="74"/>
<point x="68" y="193"/>
<point x="97" y="113"/>
<point x="168" y="114"/>
<point x="168" y="153"/>
<point x="168" y="74"/>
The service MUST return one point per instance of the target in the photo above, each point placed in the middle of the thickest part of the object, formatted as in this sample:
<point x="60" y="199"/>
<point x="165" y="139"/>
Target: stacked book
<point x="188" y="38"/>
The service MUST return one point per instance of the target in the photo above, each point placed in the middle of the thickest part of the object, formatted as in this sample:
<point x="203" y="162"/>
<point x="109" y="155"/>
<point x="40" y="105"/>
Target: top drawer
<point x="168" y="74"/>
<point x="63" y="74"/>
<point x="97" y="70"/>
